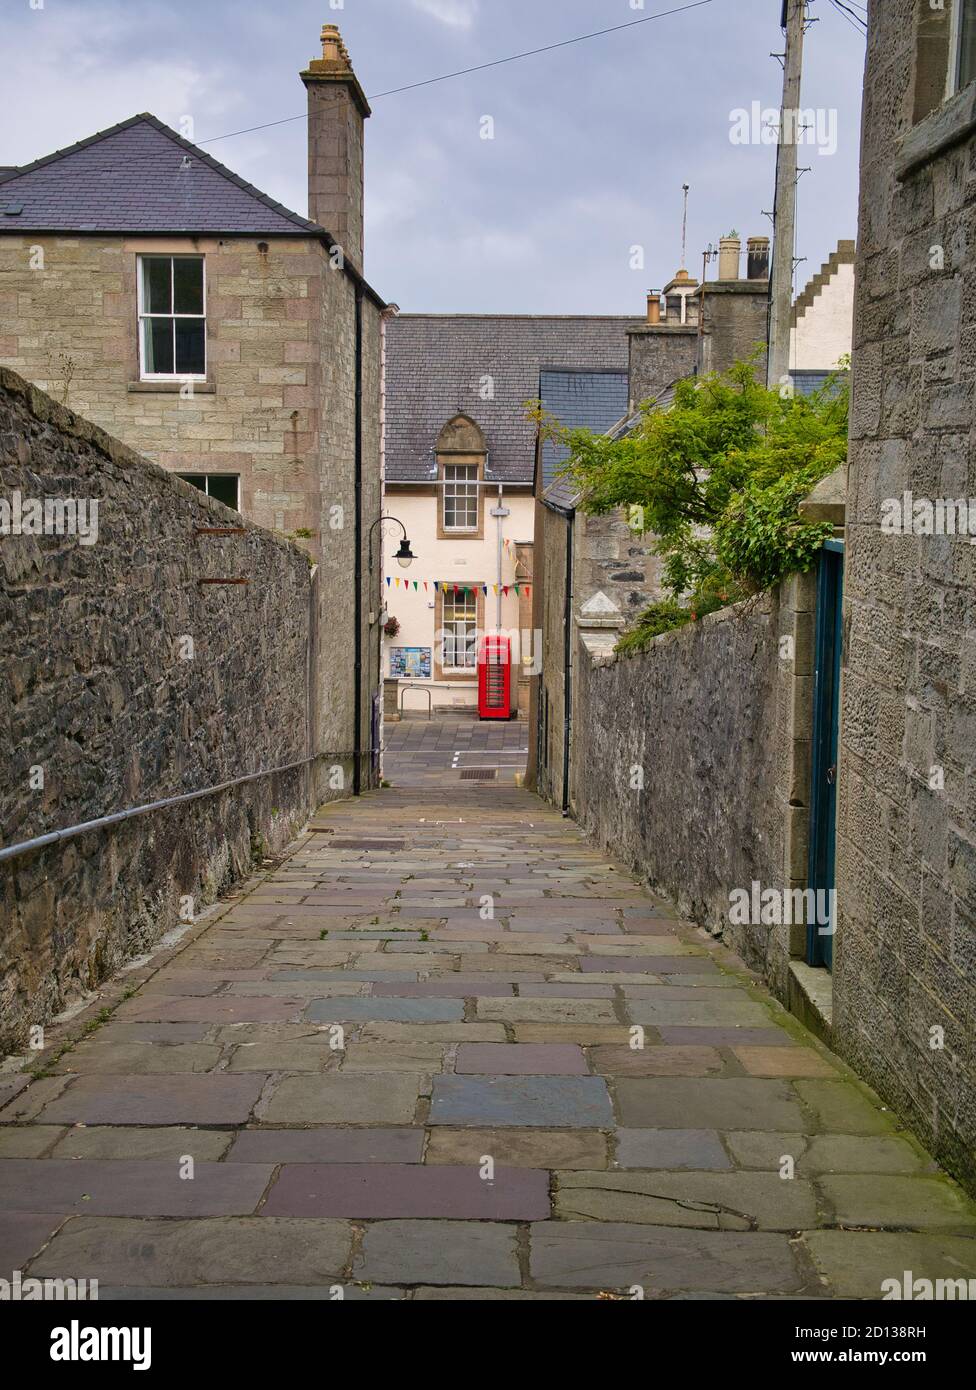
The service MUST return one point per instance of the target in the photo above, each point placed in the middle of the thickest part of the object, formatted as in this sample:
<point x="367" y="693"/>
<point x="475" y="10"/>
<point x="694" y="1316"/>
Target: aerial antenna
<point x="684" y="227"/>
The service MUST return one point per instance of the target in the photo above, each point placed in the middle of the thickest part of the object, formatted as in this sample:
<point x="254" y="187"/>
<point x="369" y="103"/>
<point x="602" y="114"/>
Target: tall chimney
<point x="729" y="248"/>
<point x="337" y="110"/>
<point x="758" y="258"/>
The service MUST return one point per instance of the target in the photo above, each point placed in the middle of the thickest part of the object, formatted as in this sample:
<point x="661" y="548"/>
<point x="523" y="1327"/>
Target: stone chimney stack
<point x="337" y="111"/>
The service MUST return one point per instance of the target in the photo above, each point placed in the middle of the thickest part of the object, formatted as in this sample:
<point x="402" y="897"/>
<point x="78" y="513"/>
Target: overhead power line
<point x="480" y="67"/>
<point x="852" y="17"/>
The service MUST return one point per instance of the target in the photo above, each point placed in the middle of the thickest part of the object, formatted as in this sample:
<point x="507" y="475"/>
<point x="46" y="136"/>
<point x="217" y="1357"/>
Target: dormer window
<point x="172" y="319"/>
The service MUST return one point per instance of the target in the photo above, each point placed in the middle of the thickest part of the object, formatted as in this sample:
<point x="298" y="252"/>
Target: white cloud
<point x="459" y="14"/>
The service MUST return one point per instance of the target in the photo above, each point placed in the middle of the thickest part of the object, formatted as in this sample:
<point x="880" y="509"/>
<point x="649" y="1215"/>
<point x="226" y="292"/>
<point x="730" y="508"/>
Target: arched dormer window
<point x="461" y="454"/>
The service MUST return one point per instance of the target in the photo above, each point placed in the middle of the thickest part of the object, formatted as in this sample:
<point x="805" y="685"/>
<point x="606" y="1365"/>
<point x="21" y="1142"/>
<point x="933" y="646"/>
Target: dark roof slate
<point x="587" y="400"/>
<point x="131" y="178"/>
<point x="436" y="364"/>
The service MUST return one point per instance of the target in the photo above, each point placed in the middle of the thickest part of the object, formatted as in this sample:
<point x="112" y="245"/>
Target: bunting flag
<point x="448" y="585"/>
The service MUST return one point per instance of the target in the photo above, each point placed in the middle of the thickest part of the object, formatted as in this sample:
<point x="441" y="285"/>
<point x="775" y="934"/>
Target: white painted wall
<point x="824" y="333"/>
<point x="457" y="561"/>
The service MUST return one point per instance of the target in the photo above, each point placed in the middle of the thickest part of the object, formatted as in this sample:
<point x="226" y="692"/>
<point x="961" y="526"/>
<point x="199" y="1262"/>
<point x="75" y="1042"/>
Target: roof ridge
<point x="147" y="118"/>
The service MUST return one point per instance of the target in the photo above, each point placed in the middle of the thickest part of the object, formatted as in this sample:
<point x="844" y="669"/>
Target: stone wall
<point x="905" y="954"/>
<point x="104" y="705"/>
<point x="687" y="760"/>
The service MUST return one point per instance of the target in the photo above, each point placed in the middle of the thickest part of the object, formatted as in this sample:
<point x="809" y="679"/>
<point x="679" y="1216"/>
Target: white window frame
<point x="206" y="487"/>
<point x="465" y="488"/>
<point x="453" y="624"/>
<point x="144" y="314"/>
<point x="955" y="44"/>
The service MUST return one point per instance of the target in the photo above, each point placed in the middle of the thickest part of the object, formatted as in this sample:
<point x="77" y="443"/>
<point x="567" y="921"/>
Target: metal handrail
<point x="54" y="837"/>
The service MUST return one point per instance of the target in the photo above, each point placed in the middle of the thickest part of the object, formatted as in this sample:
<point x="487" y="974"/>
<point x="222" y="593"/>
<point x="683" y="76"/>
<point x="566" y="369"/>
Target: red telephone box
<point x="497" y="691"/>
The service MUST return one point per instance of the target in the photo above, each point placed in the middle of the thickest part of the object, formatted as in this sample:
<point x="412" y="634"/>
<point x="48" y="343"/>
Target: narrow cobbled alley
<point x="444" y="1050"/>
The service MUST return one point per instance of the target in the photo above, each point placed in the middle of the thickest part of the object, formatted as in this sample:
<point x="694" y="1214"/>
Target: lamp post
<point x="404" y="556"/>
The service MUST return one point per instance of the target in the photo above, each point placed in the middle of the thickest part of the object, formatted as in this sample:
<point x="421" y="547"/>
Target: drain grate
<point x="479" y="774"/>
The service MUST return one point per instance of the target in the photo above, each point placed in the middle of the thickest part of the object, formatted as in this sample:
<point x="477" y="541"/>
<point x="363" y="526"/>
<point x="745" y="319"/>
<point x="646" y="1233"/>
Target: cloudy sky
<point x="592" y="142"/>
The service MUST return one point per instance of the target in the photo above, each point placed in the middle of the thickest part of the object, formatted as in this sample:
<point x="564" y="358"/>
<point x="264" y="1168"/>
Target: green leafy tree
<point x="716" y="477"/>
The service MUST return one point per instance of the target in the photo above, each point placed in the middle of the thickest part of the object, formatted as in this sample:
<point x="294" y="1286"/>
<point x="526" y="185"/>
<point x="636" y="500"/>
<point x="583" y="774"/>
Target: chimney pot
<point x="653" y="307"/>
<point x="758" y="258"/>
<point x="729" y="250"/>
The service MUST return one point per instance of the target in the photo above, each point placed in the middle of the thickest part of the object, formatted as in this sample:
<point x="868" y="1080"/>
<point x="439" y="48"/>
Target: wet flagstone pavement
<point x="446" y="1049"/>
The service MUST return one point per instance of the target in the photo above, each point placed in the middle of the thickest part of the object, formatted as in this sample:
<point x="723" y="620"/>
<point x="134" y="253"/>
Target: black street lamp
<point x="404" y="556"/>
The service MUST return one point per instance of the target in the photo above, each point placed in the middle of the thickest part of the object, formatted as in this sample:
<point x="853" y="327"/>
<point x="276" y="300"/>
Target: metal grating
<point x="479" y="774"/>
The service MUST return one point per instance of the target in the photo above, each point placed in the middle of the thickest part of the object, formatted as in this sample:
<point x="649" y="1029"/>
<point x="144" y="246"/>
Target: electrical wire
<point x="481" y="67"/>
<point x="853" y="19"/>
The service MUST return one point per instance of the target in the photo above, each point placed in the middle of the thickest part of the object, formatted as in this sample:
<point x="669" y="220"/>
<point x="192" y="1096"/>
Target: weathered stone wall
<point x="905" y="953"/>
<point x="659" y="355"/>
<point x="705" y="717"/>
<point x="99" y="695"/>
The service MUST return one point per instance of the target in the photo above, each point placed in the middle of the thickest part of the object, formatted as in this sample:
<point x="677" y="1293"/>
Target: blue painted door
<point x="826" y="723"/>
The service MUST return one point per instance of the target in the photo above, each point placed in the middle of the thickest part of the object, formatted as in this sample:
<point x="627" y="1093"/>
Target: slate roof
<point x="131" y="178"/>
<point x="561" y="493"/>
<point x="435" y="364"/>
<point x="590" y="400"/>
<point x="807" y="381"/>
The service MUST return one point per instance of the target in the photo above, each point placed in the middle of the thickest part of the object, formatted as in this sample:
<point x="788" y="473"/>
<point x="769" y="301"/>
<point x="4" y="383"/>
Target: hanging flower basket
<point x="391" y="627"/>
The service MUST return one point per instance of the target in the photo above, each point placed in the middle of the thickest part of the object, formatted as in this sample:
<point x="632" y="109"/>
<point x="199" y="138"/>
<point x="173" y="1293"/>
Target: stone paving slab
<point x="577" y="1102"/>
<point x="388" y="1010"/>
<point x="519" y="1148"/>
<point x="706" y="1103"/>
<point x="183" y="1253"/>
<point x="160" y="1144"/>
<point x="635" y="1089"/>
<point x="22" y="1235"/>
<point x="384" y="1099"/>
<point x="607" y="1255"/>
<point x="472" y="1253"/>
<point x="855" y="1264"/>
<point x="380" y="1190"/>
<point x="156" y="1100"/>
<point x="525" y="1059"/>
<point x="671" y="1148"/>
<point x="109" y="1187"/>
<point x="710" y="1201"/>
<point x="367" y="1145"/>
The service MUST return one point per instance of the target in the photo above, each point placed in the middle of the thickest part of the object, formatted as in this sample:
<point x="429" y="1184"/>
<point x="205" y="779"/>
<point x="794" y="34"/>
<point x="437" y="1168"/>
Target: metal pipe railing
<point x="54" y="837"/>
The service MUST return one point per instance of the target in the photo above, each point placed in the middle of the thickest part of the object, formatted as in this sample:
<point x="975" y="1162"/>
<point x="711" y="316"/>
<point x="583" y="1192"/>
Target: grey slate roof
<point x="435" y="365"/>
<point x="562" y="494"/>
<point x="589" y="400"/>
<point x="130" y="179"/>
<point x="807" y="381"/>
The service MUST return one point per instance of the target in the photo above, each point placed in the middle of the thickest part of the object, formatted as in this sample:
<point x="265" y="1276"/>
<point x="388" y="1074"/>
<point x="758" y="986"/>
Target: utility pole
<point x="784" y="208"/>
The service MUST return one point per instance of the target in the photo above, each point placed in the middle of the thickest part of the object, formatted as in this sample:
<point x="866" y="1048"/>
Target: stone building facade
<point x="905" y="958"/>
<point x="267" y="395"/>
<point x="460" y="476"/>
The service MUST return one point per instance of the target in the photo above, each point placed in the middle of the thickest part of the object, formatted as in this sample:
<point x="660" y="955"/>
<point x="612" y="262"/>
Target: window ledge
<point x="954" y="121"/>
<point x="171" y="388"/>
